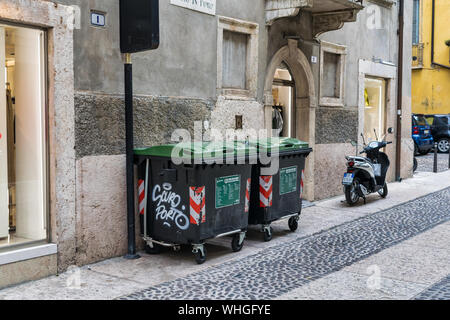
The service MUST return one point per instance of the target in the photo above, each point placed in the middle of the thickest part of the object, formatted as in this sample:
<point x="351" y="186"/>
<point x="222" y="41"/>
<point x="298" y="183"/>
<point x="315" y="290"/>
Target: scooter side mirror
<point x="391" y="130"/>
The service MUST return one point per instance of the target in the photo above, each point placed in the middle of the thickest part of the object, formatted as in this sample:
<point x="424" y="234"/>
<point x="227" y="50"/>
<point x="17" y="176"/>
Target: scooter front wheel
<point x="351" y="193"/>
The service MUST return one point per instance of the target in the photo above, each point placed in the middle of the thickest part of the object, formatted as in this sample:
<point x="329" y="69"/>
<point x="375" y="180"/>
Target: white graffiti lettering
<point x="167" y="203"/>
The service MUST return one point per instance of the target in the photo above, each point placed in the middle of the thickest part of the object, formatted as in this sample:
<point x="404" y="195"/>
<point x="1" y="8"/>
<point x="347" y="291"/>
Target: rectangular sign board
<point x="288" y="180"/>
<point x="228" y="191"/>
<point x="139" y="25"/>
<point x="205" y="6"/>
<point x="98" y="19"/>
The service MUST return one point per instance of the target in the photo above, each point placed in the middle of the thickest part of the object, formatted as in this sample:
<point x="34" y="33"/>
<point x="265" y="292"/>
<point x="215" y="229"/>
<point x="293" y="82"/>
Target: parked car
<point x="440" y="129"/>
<point x="421" y="134"/>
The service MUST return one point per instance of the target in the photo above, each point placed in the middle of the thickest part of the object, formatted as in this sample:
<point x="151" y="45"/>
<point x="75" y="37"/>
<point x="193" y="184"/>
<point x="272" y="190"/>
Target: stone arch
<point x="305" y="101"/>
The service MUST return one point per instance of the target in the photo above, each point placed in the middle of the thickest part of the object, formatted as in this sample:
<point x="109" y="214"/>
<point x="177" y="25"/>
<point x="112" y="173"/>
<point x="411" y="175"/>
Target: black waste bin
<point x="278" y="195"/>
<point x="202" y="198"/>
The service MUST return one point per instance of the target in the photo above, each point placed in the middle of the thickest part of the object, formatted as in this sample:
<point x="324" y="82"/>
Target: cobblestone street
<point x="394" y="248"/>
<point x="439" y="291"/>
<point x="280" y="269"/>
<point x="425" y="163"/>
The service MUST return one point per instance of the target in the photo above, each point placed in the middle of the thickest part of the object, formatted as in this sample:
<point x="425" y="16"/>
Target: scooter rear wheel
<point x="351" y="193"/>
<point x="384" y="191"/>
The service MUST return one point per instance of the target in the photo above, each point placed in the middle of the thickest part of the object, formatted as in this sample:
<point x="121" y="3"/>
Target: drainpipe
<point x="433" y="22"/>
<point x="399" y="92"/>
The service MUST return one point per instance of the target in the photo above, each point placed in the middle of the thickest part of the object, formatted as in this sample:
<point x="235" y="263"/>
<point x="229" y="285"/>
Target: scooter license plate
<point x="348" y="179"/>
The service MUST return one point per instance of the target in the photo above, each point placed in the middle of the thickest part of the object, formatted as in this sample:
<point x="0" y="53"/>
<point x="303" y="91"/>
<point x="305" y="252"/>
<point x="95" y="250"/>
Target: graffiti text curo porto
<point x="167" y="203"/>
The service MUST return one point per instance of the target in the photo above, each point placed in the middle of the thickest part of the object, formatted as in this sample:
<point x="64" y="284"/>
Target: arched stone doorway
<point x="305" y="101"/>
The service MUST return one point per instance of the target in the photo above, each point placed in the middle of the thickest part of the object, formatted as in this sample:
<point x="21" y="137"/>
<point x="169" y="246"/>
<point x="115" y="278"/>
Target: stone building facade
<point x="210" y="67"/>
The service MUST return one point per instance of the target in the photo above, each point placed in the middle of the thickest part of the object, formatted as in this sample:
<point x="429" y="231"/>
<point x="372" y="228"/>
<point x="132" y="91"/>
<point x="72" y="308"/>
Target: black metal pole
<point x="129" y="158"/>
<point x="435" y="162"/>
<point x="398" y="152"/>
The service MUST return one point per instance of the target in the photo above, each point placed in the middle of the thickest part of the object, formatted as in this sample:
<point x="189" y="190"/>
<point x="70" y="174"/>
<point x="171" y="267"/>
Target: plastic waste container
<point x="278" y="194"/>
<point x="205" y="197"/>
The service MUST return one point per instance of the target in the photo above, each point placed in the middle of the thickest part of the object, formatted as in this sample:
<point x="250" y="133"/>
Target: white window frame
<point x="341" y="51"/>
<point x="252" y="30"/>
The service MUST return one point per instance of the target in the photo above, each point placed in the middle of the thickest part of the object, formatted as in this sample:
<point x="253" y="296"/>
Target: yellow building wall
<point x="431" y="84"/>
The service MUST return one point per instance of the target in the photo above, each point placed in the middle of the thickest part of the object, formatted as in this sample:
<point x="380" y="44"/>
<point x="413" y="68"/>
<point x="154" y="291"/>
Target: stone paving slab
<point x="345" y="285"/>
<point x="439" y="291"/>
<point x="280" y="269"/>
<point x="407" y="262"/>
<point x="439" y="238"/>
<point x="76" y="284"/>
<point x="423" y="258"/>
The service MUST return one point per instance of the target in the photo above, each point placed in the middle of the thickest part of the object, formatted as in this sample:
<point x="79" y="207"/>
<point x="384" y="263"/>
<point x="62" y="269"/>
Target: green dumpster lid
<point x="283" y="144"/>
<point x="198" y="150"/>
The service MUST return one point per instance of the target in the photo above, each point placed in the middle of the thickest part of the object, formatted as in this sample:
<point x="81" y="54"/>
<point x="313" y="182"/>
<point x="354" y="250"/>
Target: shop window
<point x="237" y="63"/>
<point x="375" y="108"/>
<point x="23" y="170"/>
<point x="332" y="74"/>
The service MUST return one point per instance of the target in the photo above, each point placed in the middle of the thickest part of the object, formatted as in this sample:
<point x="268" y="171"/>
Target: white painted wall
<point x="29" y="89"/>
<point x="4" y="214"/>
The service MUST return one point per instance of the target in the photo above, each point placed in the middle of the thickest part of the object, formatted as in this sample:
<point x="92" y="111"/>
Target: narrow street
<point x="284" y="270"/>
<point x="425" y="163"/>
<point x="388" y="249"/>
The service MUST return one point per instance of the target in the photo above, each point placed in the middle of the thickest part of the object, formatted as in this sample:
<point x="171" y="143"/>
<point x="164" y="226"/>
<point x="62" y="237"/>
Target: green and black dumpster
<point x="189" y="193"/>
<point x="277" y="183"/>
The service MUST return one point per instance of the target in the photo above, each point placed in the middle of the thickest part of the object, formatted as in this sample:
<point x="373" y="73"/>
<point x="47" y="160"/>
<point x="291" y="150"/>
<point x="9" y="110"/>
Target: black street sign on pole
<point x="139" y="31"/>
<point x="129" y="157"/>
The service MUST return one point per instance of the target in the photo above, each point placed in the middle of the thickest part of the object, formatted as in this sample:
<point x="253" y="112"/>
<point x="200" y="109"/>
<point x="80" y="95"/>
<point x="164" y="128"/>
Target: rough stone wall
<point x="336" y="125"/>
<point x="223" y="115"/>
<point x="100" y="121"/>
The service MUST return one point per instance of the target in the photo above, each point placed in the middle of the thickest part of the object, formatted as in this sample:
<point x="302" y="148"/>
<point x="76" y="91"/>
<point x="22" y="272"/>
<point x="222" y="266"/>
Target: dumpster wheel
<point x="293" y="223"/>
<point x="268" y="232"/>
<point x="237" y="243"/>
<point x="155" y="250"/>
<point x="200" y="253"/>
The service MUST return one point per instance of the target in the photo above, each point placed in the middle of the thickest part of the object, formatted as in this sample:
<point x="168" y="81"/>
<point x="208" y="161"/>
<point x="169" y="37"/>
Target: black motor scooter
<point x="366" y="175"/>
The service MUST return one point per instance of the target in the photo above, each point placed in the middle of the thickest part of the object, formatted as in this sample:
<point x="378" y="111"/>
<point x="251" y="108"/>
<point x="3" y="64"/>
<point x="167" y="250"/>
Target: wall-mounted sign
<point x="205" y="6"/>
<point x="98" y="19"/>
<point x="313" y="59"/>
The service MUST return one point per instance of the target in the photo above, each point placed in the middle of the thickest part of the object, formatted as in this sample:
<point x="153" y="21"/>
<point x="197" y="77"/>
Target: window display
<point x="23" y="168"/>
<point x="375" y="108"/>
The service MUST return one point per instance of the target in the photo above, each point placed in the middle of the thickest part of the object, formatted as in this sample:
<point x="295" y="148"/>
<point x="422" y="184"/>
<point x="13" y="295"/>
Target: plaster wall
<point x="431" y="84"/>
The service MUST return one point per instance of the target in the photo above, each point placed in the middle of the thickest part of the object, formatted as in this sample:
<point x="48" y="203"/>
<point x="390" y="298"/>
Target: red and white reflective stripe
<point x="141" y="192"/>
<point x="265" y="191"/>
<point x="302" y="183"/>
<point x="197" y="202"/>
<point x="247" y="196"/>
